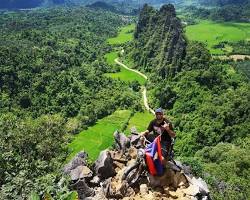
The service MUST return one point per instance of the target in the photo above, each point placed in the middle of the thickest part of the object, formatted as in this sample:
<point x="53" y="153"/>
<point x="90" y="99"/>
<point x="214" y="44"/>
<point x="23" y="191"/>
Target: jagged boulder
<point x="103" y="166"/>
<point x="83" y="190"/>
<point x="80" y="172"/>
<point x="197" y="187"/>
<point x="121" y="141"/>
<point x="79" y="160"/>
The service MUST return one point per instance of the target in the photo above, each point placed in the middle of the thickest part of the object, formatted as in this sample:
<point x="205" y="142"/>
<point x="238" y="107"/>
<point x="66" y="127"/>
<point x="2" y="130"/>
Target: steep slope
<point x="159" y="41"/>
<point x="102" y="5"/>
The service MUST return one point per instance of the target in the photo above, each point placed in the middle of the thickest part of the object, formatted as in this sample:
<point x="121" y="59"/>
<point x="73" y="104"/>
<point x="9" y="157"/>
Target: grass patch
<point x="100" y="136"/>
<point x="110" y="57"/>
<point x="212" y="33"/>
<point x="125" y="74"/>
<point x="140" y="120"/>
<point x="125" y="34"/>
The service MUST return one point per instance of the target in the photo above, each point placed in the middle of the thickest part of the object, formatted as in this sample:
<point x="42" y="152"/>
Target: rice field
<point x="100" y="136"/>
<point x="125" y="34"/>
<point x="140" y="120"/>
<point x="212" y="33"/>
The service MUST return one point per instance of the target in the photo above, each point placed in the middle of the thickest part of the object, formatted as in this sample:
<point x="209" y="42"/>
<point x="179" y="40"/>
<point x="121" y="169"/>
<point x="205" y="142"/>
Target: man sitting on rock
<point x="160" y="125"/>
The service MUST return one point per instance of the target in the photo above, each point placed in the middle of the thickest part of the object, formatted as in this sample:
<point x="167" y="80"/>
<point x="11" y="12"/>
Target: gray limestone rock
<point x="121" y="141"/>
<point x="83" y="189"/>
<point x="103" y="166"/>
<point x="79" y="160"/>
<point x="80" y="172"/>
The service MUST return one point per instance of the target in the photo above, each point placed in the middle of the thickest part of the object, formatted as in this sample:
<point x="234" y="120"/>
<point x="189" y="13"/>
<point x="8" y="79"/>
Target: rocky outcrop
<point x="160" y="44"/>
<point x="104" y="179"/>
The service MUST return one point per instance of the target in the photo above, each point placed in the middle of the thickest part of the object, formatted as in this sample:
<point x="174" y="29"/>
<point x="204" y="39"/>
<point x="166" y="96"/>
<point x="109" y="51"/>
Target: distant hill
<point x="18" y="4"/>
<point x="103" y="5"/>
<point x="106" y="4"/>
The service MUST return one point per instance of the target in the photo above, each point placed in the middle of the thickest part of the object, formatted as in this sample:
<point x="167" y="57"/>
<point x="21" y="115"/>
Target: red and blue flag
<point x="154" y="157"/>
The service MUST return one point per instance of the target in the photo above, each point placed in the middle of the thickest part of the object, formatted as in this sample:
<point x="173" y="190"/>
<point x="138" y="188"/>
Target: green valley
<point x="70" y="76"/>
<point x="123" y="74"/>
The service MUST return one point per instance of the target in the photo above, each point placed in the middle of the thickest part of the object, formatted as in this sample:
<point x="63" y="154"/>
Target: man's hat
<point x="159" y="110"/>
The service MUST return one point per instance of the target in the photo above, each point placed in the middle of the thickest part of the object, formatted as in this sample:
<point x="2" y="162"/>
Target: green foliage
<point x="33" y="152"/>
<point x="244" y="68"/>
<point x="235" y="12"/>
<point x="135" y="85"/>
<point x="195" y="164"/>
<point x="241" y="47"/>
<point x="166" y="96"/>
<point x="223" y="2"/>
<point x="55" y="67"/>
<point x="228" y="167"/>
<point x="52" y="78"/>
<point x="34" y="196"/>
<point x="197" y="56"/>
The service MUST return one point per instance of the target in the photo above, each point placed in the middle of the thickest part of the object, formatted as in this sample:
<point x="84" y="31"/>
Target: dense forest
<point x="221" y="10"/>
<point x="52" y="84"/>
<point x="207" y="99"/>
<point x="223" y="2"/>
<point x="240" y="13"/>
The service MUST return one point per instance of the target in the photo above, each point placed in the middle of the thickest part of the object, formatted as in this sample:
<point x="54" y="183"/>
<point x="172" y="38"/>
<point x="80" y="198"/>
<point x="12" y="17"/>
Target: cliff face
<point x="159" y="41"/>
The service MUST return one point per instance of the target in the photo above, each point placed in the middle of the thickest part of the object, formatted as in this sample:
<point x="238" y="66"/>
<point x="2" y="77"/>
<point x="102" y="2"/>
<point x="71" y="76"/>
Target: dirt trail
<point x="144" y="90"/>
<point x="145" y="100"/>
<point x="133" y="70"/>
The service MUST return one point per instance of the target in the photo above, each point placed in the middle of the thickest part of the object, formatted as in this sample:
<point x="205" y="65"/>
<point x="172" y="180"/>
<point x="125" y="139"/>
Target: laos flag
<point x="154" y="157"/>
